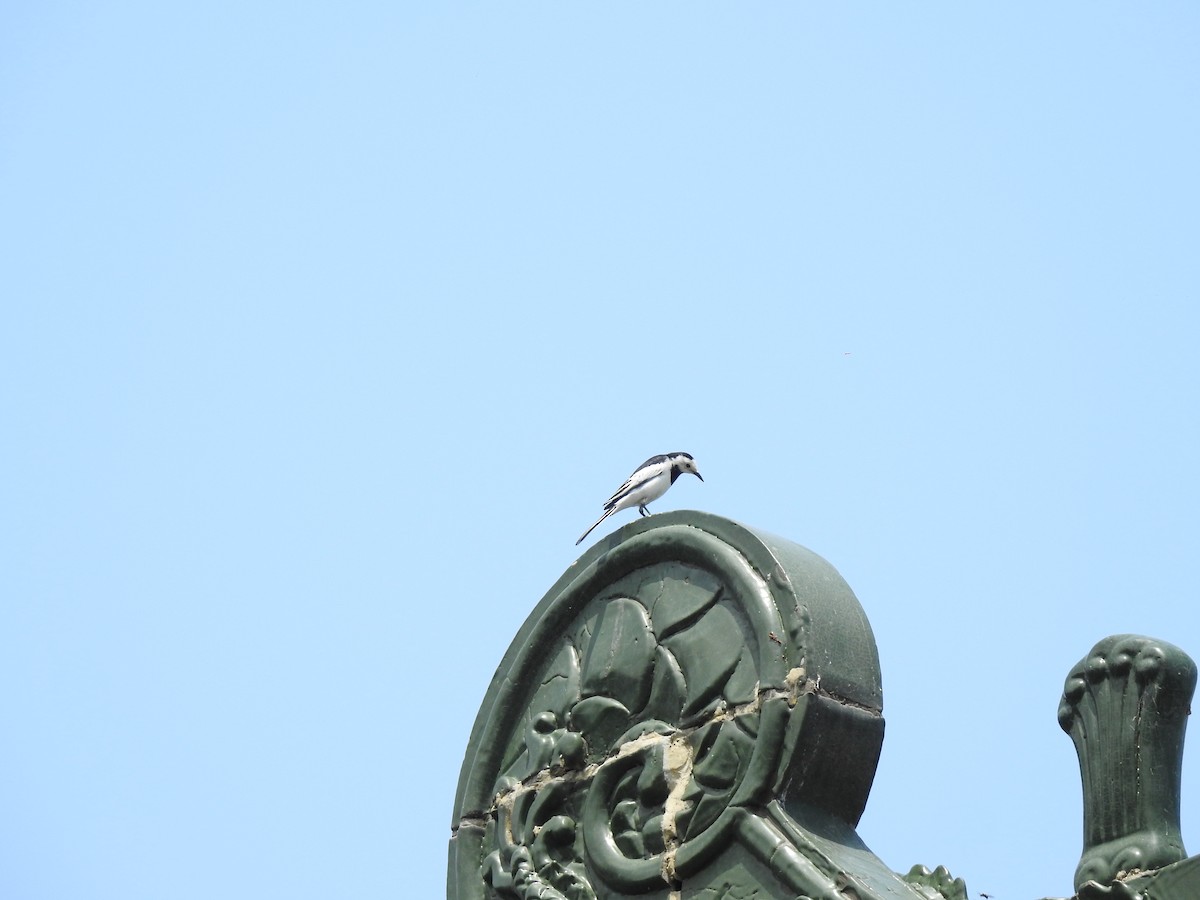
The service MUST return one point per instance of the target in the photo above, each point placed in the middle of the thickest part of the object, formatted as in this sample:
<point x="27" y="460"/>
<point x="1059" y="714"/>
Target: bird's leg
<point x="642" y="509"/>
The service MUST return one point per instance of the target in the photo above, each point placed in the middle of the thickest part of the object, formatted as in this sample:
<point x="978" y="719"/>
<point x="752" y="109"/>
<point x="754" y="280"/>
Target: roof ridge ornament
<point x="695" y="709"/>
<point x="1125" y="706"/>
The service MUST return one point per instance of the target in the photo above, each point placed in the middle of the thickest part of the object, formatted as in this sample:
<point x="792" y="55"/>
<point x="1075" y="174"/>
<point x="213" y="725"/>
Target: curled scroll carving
<point x="680" y="702"/>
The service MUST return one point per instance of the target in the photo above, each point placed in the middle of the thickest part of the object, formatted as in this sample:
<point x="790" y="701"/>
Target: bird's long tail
<point x="607" y="513"/>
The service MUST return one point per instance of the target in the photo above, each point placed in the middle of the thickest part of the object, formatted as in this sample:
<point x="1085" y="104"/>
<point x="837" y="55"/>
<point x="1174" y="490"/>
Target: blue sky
<point x="329" y="328"/>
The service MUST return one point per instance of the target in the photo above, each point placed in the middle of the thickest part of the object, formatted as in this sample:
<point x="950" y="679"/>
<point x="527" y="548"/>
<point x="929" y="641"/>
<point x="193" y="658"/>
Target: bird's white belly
<point x="648" y="492"/>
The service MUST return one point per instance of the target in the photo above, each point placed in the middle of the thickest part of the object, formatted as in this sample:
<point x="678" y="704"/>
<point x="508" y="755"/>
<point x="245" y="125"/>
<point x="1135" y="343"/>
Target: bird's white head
<point x="683" y="462"/>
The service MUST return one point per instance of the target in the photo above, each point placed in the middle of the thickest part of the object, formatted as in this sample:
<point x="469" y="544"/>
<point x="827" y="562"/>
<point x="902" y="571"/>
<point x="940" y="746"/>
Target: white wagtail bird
<point x="648" y="482"/>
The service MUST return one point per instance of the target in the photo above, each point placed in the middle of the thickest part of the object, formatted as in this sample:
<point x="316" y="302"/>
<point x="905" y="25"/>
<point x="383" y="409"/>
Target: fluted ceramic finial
<point x="1125" y="706"/>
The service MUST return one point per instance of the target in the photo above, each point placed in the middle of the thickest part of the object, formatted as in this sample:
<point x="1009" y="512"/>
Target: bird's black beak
<point x="697" y="474"/>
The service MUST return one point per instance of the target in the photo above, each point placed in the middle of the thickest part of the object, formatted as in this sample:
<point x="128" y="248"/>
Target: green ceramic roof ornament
<point x="1125" y="706"/>
<point x="692" y="710"/>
